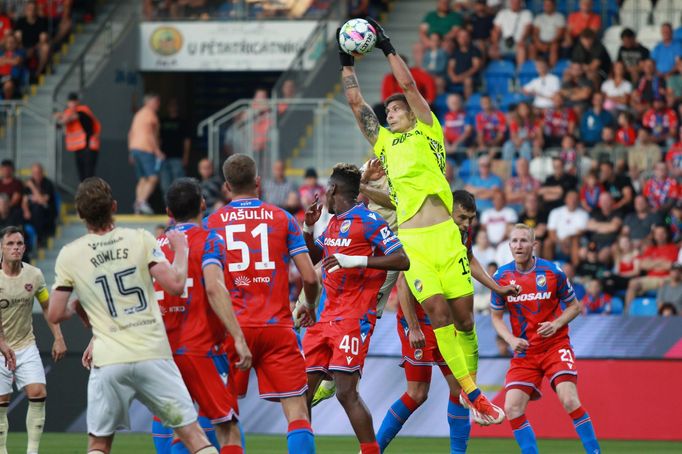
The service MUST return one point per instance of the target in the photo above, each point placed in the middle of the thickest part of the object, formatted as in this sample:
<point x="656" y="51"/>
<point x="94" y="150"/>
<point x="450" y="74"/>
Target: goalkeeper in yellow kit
<point x="413" y="155"/>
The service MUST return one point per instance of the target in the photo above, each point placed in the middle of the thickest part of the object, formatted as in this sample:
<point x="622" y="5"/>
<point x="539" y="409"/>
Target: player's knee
<point x="347" y="396"/>
<point x="419" y="395"/>
<point x="514" y="409"/>
<point x="465" y="324"/>
<point x="570" y="402"/>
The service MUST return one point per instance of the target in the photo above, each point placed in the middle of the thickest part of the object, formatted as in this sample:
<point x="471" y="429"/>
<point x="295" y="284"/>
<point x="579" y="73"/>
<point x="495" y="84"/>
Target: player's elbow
<point x="402" y="262"/>
<point x="55" y="315"/>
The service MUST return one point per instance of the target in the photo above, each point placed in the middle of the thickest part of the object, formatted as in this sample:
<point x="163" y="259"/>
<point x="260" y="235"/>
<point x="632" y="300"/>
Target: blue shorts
<point x="146" y="164"/>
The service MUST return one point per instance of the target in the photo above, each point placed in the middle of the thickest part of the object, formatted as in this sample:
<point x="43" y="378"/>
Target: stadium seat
<point x="635" y="13"/>
<point x="649" y="36"/>
<point x="644" y="307"/>
<point x="611" y="40"/>
<point x="473" y="104"/>
<point x="560" y="68"/>
<point x="616" y="306"/>
<point x="498" y="77"/>
<point x="527" y="72"/>
<point x="608" y="9"/>
<point x="511" y="100"/>
<point x="668" y="11"/>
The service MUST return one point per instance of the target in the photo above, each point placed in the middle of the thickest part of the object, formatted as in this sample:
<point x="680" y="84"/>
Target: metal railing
<point x="91" y="58"/>
<point x="317" y="132"/>
<point x="16" y="118"/>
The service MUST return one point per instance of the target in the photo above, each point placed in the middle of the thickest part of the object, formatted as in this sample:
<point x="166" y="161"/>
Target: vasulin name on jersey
<point x="246" y="214"/>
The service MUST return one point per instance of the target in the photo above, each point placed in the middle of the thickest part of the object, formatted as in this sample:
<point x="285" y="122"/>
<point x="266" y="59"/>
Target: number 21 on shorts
<point x="567" y="357"/>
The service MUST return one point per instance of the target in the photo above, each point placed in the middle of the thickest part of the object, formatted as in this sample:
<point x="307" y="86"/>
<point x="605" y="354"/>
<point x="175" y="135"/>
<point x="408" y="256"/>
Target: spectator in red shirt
<point x="12" y="60"/>
<point x="491" y="126"/>
<point x="673" y="159"/>
<point x="579" y="21"/>
<point x="424" y="81"/>
<point x="5" y="23"/>
<point x="656" y="261"/>
<point x="661" y="122"/>
<point x="457" y="128"/>
<point x="626" y="134"/>
<point x="559" y="121"/>
<point x="11" y="186"/>
<point x="525" y="132"/>
<point x="596" y="301"/>
<point x="661" y="190"/>
<point x="649" y="87"/>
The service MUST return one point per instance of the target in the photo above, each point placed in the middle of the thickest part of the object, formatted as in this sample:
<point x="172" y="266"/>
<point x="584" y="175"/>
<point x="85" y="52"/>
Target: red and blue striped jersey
<point x="261" y="239"/>
<point x="545" y="291"/>
<point x="352" y="292"/>
<point x="191" y="325"/>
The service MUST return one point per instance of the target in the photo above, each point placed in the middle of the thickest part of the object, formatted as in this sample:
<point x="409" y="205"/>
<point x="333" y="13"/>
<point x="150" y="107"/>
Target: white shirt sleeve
<point x="553" y="219"/>
<point x="510" y="215"/>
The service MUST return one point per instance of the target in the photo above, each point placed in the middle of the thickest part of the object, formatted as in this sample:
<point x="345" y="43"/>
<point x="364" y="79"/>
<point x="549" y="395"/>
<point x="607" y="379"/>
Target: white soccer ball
<point x="357" y="36"/>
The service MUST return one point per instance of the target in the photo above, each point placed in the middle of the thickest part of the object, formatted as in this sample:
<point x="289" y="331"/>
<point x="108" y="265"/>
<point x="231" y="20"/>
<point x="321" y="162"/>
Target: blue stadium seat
<point x="473" y="104"/>
<point x="511" y="100"/>
<point x="498" y="77"/>
<point x="527" y="72"/>
<point x="645" y="307"/>
<point x="616" y="306"/>
<point x="560" y="68"/>
<point x="608" y="9"/>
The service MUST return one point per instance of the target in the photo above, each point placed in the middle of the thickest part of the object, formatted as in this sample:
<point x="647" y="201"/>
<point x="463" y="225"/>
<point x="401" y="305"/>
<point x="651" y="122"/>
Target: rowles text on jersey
<point x="248" y="213"/>
<point x="107" y="256"/>
<point x="529" y="297"/>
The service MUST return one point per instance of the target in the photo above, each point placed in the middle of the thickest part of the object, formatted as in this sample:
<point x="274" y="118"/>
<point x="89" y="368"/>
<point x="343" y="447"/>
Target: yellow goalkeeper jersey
<point x="415" y="165"/>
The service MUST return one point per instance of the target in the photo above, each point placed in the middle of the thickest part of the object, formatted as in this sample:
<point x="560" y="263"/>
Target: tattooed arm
<point x="415" y="99"/>
<point x="364" y="115"/>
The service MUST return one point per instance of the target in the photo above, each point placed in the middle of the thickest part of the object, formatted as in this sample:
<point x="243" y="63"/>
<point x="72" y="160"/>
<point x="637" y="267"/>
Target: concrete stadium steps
<point x="73" y="228"/>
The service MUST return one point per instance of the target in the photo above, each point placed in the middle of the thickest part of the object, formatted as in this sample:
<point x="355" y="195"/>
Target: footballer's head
<point x="344" y="184"/>
<point x="184" y="200"/>
<point x="241" y="176"/>
<point x="95" y="204"/>
<point x="521" y="243"/>
<point x="13" y="245"/>
<point x="464" y="209"/>
<point x="399" y="115"/>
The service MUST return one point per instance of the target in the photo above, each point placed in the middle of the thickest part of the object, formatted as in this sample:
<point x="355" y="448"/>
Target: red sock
<point x="455" y="400"/>
<point x="299" y="424"/>
<point x="577" y="413"/>
<point x="231" y="449"/>
<point x="409" y="402"/>
<point x="370" y="448"/>
<point x="517" y="422"/>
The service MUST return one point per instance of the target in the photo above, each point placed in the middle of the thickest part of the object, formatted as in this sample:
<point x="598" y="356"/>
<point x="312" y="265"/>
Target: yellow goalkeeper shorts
<point x="439" y="264"/>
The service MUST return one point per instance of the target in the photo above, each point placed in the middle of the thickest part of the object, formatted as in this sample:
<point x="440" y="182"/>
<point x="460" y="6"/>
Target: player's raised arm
<point x="403" y="76"/>
<point x="364" y="115"/>
<point x="372" y="172"/>
<point x="172" y="277"/>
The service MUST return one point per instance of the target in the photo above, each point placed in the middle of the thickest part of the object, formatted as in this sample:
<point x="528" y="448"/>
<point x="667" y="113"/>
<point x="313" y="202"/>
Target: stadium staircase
<point x="73" y="67"/>
<point x="402" y="23"/>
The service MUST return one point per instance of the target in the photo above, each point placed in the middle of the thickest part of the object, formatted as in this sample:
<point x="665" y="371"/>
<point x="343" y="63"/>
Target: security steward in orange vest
<point x="81" y="135"/>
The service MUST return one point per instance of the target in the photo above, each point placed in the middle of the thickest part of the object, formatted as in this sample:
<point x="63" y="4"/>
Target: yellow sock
<point x="35" y="421"/>
<point x="454" y="356"/>
<point x="468" y="340"/>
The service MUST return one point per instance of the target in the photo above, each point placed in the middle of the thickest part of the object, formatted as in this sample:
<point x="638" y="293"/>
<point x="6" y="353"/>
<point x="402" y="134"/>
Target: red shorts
<point x="278" y="362"/>
<point x="557" y="364"/>
<point x="418" y="362"/>
<point x="339" y="345"/>
<point x="206" y="379"/>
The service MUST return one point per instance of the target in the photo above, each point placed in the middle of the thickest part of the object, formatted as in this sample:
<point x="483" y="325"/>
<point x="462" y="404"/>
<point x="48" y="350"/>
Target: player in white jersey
<point x="20" y="284"/>
<point x="111" y="270"/>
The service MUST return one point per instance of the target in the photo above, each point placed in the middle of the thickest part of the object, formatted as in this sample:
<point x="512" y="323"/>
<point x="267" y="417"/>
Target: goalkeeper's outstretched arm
<point x="364" y="115"/>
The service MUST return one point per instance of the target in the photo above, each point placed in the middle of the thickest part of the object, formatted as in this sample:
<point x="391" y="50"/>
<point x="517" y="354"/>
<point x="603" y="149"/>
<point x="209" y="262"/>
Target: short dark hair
<point x="7" y="163"/>
<point x="73" y="96"/>
<point x="347" y="179"/>
<point x="397" y="97"/>
<point x="240" y="172"/>
<point x="588" y="33"/>
<point x="310" y="173"/>
<point x="627" y="33"/>
<point x="183" y="199"/>
<point x="465" y="199"/>
<point x="669" y="306"/>
<point x="11" y="230"/>
<point x="94" y="201"/>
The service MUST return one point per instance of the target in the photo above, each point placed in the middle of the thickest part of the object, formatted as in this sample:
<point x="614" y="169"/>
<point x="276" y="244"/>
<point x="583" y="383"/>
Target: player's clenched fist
<point x="416" y="338"/>
<point x="245" y="357"/>
<point x="518" y="345"/>
<point x="177" y="240"/>
<point x="509" y="290"/>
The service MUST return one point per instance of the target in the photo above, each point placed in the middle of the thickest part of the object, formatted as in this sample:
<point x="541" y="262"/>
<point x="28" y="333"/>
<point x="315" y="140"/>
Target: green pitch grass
<point x="60" y="443"/>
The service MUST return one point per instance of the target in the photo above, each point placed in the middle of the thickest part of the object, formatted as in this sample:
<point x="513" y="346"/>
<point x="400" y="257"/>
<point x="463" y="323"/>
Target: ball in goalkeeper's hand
<point x="357" y="37"/>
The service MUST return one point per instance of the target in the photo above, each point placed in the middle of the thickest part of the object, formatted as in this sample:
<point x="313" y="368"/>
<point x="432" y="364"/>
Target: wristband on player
<point x="351" y="261"/>
<point x="383" y="40"/>
<point x="308" y="228"/>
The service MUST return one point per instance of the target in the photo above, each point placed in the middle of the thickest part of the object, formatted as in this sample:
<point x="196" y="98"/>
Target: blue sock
<point x="243" y="436"/>
<point x="300" y="438"/>
<point x="209" y="430"/>
<point x="524" y="435"/>
<point x="460" y="426"/>
<point x="179" y="448"/>
<point x="395" y="417"/>
<point x="162" y="437"/>
<point x="583" y="425"/>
